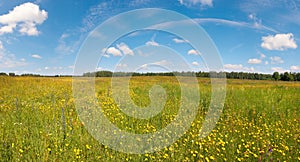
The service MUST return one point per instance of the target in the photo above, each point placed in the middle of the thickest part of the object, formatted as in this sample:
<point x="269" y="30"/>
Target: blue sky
<point x="44" y="36"/>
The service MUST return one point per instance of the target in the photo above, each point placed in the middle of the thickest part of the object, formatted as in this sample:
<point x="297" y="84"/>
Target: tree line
<point x="286" y="76"/>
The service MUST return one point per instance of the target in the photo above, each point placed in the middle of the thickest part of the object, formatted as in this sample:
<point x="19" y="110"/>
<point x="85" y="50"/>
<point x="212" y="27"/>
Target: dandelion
<point x="166" y="156"/>
<point x="207" y="159"/>
<point x="88" y="146"/>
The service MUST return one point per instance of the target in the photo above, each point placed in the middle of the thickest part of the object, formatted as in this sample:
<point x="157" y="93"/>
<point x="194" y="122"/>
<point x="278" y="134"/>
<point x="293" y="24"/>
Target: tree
<point x="291" y="77"/>
<point x="11" y="74"/>
<point x="297" y="77"/>
<point x="287" y="77"/>
<point x="276" y="76"/>
<point x="3" y="74"/>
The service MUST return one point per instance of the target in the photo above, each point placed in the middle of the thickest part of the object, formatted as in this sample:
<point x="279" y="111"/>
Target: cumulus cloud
<point x="295" y="68"/>
<point x="238" y="67"/>
<point x="208" y="3"/>
<point x="233" y="66"/>
<point x="193" y="52"/>
<point x="24" y="18"/>
<point x="122" y="49"/>
<point x="276" y="60"/>
<point x="152" y="43"/>
<point x="1" y="45"/>
<point x="112" y="51"/>
<point x="125" y="49"/>
<point x="279" y="42"/>
<point x="254" y="61"/>
<point x="195" y="63"/>
<point x="279" y="69"/>
<point x="36" y="56"/>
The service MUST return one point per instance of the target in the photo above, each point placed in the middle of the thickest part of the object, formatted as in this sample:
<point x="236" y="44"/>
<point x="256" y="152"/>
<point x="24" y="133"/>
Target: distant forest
<point x="286" y="76"/>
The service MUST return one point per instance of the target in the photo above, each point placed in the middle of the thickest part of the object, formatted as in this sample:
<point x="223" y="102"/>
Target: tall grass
<point x="39" y="122"/>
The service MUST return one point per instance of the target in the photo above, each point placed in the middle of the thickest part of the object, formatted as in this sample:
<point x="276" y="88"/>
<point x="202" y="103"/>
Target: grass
<point x="39" y="122"/>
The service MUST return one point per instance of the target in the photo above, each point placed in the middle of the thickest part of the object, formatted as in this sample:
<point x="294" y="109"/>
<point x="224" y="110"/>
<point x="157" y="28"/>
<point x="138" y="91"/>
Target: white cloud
<point x="233" y="66"/>
<point x="152" y="43"/>
<point x="262" y="56"/>
<point x="99" y="69"/>
<point x="238" y="67"/>
<point x="122" y="65"/>
<point x="112" y="51"/>
<point x="216" y="21"/>
<point x="158" y="63"/>
<point x="193" y="52"/>
<point x="161" y="63"/>
<point x="279" y="42"/>
<point x="195" y="63"/>
<point x="278" y="69"/>
<point x="176" y="40"/>
<point x="254" y="61"/>
<point x="144" y="66"/>
<point x="55" y="68"/>
<point x="36" y="56"/>
<point x="196" y="2"/>
<point x="24" y="18"/>
<point x="257" y="23"/>
<point x="1" y="45"/>
<point x="7" y="29"/>
<point x="136" y="3"/>
<point x="66" y="45"/>
<point x="276" y="60"/>
<point x="97" y="34"/>
<point x="106" y="55"/>
<point x="38" y="1"/>
<point x="8" y="60"/>
<point x="295" y="68"/>
<point x="254" y="25"/>
<point x="125" y="49"/>
<point x="251" y="16"/>
<point x="266" y="62"/>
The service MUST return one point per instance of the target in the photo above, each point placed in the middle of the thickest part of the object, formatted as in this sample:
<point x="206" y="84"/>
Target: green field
<point x="39" y="122"/>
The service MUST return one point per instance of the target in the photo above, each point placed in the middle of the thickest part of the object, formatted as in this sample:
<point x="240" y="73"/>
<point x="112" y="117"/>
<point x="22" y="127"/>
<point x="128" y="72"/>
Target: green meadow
<point x="39" y="122"/>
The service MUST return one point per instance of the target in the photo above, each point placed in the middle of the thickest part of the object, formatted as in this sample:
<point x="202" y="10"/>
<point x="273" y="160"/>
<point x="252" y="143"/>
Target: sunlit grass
<point x="39" y="122"/>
